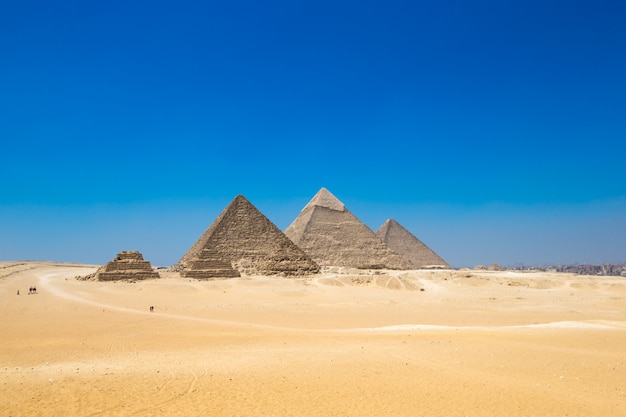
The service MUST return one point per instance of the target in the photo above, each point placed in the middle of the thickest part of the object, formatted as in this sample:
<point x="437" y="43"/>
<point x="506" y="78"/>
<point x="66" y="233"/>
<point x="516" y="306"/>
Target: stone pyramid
<point x="209" y="265"/>
<point x="412" y="250"/>
<point x="242" y="236"/>
<point x="127" y="265"/>
<point x="331" y="235"/>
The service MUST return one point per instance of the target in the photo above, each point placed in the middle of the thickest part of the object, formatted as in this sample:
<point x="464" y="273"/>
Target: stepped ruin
<point x="332" y="236"/>
<point x="242" y="236"/>
<point x="127" y="265"/>
<point x="209" y="265"/>
<point x="412" y="250"/>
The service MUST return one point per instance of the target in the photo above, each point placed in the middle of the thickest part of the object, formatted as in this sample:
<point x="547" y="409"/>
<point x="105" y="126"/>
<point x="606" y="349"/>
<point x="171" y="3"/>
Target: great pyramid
<point x="412" y="250"/>
<point x="127" y="265"/>
<point x="331" y="235"/>
<point x="242" y="236"/>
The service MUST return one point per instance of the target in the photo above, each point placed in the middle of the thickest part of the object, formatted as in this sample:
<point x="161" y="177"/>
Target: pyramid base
<point x="132" y="275"/>
<point x="210" y="274"/>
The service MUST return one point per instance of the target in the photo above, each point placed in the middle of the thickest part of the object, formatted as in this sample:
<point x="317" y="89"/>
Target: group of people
<point x="31" y="290"/>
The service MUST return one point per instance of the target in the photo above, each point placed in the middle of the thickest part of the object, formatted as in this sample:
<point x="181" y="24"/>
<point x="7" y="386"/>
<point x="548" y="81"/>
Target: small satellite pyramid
<point x="331" y="235"/>
<point x="412" y="250"/>
<point x="127" y="265"/>
<point x="245" y="239"/>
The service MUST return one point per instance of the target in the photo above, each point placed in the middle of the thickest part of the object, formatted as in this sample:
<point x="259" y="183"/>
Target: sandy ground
<point x="346" y="343"/>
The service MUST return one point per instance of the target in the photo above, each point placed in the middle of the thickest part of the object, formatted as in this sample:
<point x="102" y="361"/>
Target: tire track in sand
<point x="46" y="282"/>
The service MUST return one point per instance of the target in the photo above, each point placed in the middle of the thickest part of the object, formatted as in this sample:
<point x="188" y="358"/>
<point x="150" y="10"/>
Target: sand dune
<point x="344" y="343"/>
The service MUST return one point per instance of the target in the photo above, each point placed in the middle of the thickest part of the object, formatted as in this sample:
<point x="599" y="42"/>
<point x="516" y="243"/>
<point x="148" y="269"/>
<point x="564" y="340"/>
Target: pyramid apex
<point x="325" y="198"/>
<point x="389" y="223"/>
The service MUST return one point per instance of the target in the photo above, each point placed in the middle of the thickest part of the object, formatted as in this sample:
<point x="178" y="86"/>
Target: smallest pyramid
<point x="209" y="265"/>
<point x="410" y="248"/>
<point x="127" y="265"/>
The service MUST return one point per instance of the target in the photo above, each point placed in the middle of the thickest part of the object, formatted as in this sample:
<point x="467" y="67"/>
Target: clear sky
<point x="495" y="131"/>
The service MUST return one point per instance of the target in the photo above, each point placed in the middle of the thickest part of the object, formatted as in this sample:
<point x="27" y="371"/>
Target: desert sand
<point x="343" y="343"/>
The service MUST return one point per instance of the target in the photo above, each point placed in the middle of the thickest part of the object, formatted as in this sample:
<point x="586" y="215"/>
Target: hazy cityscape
<point x="583" y="269"/>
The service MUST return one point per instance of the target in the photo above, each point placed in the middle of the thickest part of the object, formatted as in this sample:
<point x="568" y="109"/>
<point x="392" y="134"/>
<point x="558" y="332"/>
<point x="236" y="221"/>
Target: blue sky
<point x="495" y="131"/>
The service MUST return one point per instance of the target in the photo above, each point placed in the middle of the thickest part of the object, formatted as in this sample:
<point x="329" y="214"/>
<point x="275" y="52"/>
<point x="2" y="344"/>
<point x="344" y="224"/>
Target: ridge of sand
<point x="551" y="325"/>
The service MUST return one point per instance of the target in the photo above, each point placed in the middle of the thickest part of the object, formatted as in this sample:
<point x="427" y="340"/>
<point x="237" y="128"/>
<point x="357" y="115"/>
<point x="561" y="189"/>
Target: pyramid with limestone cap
<point x="246" y="239"/>
<point x="325" y="198"/>
<point x="328" y="232"/>
<point x="412" y="250"/>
